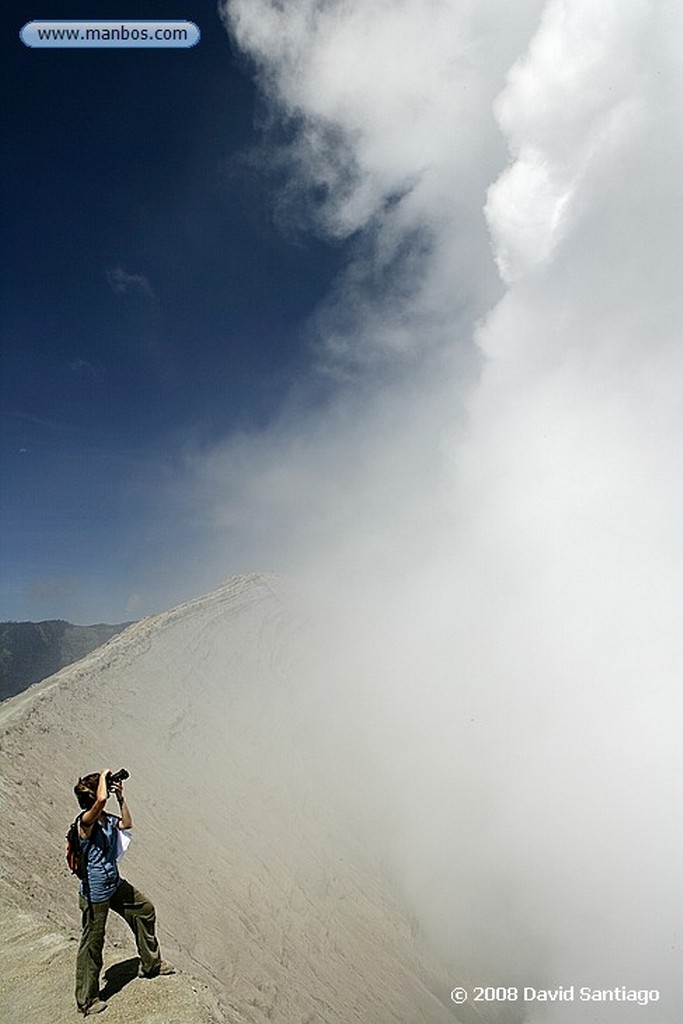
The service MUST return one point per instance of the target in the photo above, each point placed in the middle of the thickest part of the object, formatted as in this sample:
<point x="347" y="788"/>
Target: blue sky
<point x="151" y="300"/>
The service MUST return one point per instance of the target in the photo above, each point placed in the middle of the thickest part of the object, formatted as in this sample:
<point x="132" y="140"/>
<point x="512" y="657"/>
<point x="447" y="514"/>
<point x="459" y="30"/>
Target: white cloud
<point x="395" y="144"/>
<point x="496" y="553"/>
<point x="576" y="88"/>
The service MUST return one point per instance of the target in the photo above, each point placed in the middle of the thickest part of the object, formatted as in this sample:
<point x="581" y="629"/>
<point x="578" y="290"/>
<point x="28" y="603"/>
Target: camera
<point x="120" y="776"/>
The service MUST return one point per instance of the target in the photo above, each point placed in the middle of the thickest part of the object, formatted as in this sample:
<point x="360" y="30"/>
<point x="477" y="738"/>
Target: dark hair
<point x="86" y="790"/>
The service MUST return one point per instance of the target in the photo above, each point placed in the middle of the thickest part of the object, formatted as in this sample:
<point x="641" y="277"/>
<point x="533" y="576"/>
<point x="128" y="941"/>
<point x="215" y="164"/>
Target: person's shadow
<point x="118" y="976"/>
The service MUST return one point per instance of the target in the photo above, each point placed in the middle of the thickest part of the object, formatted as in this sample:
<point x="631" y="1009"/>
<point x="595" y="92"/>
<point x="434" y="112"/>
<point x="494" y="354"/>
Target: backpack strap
<point x="84" y="853"/>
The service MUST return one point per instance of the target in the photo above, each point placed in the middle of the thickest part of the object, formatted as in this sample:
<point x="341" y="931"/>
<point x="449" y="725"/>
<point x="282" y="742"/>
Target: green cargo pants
<point x="139" y="914"/>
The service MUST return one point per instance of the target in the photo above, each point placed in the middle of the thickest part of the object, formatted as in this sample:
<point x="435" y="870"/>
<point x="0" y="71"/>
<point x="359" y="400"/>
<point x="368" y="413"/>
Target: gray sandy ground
<point x="274" y="899"/>
<point x="37" y="973"/>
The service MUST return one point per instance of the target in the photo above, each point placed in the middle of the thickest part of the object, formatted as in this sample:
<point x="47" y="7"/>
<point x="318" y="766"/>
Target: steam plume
<point x="486" y="518"/>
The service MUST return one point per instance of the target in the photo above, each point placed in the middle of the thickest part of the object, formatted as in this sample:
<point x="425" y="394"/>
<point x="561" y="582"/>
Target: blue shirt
<point x="101" y="848"/>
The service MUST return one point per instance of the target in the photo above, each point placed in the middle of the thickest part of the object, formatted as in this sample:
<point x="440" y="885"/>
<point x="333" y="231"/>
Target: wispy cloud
<point x="84" y="368"/>
<point x="124" y="283"/>
<point x="133" y="603"/>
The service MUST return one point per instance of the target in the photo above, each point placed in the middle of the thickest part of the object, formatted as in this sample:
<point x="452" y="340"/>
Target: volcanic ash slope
<point x="271" y="894"/>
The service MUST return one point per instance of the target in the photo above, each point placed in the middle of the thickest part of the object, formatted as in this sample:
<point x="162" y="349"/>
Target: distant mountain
<point x="31" y="651"/>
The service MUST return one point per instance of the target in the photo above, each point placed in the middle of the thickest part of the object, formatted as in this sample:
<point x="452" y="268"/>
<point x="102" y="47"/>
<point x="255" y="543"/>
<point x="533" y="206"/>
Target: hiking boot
<point x="163" y="967"/>
<point x="96" y="1007"/>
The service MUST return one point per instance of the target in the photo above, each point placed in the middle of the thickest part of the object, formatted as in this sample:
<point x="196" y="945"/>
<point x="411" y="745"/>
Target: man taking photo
<point x="101" y="844"/>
